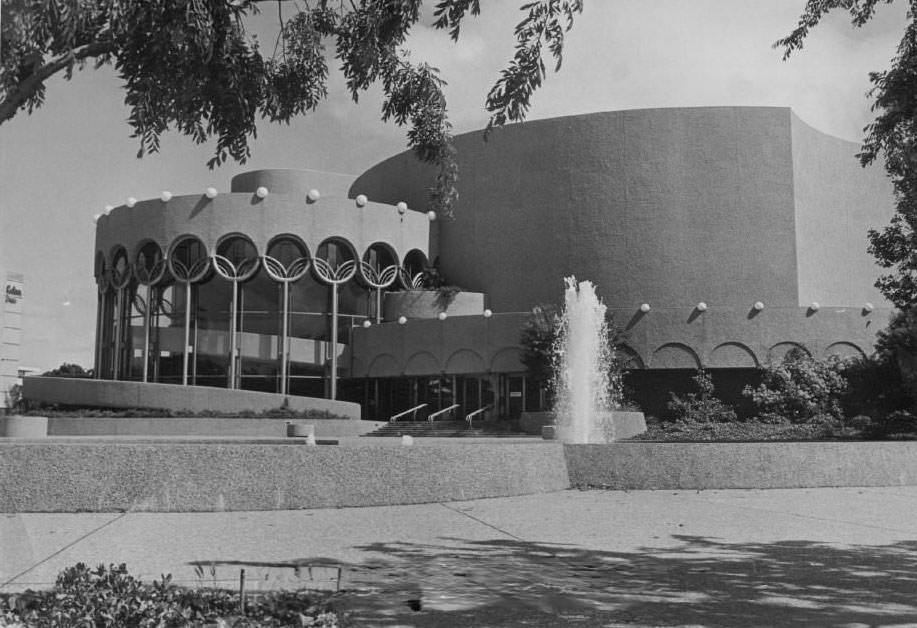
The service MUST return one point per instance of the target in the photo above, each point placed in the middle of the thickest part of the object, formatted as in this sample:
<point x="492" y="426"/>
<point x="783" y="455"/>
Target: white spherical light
<point x="165" y="196"/>
<point x="441" y="316"/>
<point x="645" y="307"/>
<point x="488" y="313"/>
<point x="701" y="307"/>
<point x="96" y="217"/>
<point x="758" y="306"/>
<point x="108" y="209"/>
<point x="431" y="215"/>
<point x="815" y="306"/>
<point x="402" y="320"/>
<point x="402" y="207"/>
<point x="313" y="195"/>
<point x="367" y="323"/>
<point x="210" y="192"/>
<point x="131" y="201"/>
<point x="261" y="192"/>
<point x="361" y="200"/>
<point x="869" y="307"/>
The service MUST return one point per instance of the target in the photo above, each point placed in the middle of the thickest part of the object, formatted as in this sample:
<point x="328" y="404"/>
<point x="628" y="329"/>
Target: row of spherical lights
<point x="757" y="306"/>
<point x="402" y="320"/>
<point x="262" y="192"/>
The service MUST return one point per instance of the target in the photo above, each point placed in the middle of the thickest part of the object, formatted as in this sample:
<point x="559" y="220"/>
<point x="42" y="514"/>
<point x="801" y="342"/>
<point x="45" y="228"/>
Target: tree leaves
<point x="893" y="134"/>
<point x="189" y="65"/>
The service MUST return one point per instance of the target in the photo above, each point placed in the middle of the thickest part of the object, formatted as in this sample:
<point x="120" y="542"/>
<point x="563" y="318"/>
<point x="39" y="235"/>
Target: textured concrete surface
<point x="99" y="475"/>
<point x="814" y="557"/>
<point x="200" y="426"/>
<point x="742" y="465"/>
<point x="16" y="426"/>
<point x="115" y="394"/>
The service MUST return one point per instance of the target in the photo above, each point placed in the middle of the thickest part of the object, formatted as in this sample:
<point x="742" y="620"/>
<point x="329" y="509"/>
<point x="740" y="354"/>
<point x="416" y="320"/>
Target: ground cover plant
<point x="801" y="398"/>
<point x="110" y="596"/>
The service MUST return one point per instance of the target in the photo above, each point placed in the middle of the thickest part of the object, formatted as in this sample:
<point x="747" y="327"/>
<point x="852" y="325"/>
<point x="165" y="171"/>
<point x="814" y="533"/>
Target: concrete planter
<point x="17" y="426"/>
<point x="618" y="423"/>
<point x="429" y="304"/>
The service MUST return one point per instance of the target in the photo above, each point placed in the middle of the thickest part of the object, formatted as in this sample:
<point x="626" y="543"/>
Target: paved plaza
<point x="805" y="557"/>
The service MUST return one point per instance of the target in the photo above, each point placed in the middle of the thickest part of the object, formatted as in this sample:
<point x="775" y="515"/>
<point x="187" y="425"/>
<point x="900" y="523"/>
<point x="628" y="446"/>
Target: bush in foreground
<point x="112" y="597"/>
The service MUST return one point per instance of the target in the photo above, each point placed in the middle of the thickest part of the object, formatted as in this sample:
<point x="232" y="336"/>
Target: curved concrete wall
<point x="836" y="204"/>
<point x="670" y="207"/>
<point x="261" y="220"/>
<point x="119" y="394"/>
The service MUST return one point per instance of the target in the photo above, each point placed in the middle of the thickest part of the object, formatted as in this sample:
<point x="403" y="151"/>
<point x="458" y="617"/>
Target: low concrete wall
<point x="532" y="422"/>
<point x="114" y="394"/>
<point x="16" y="426"/>
<point x="200" y="426"/>
<point x="632" y="466"/>
<point x="49" y="476"/>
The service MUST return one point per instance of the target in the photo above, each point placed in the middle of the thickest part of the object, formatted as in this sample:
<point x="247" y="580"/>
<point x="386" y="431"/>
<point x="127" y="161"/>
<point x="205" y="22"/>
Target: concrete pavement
<point x="813" y="557"/>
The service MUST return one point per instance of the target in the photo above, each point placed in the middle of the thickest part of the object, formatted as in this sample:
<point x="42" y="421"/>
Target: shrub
<point x="14" y="400"/>
<point x="800" y="389"/>
<point x="68" y="370"/>
<point x="703" y="406"/>
<point x="112" y="597"/>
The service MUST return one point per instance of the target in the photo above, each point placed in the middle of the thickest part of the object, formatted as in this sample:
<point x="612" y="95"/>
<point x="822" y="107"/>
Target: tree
<point x="893" y="134"/>
<point x="189" y="65"/>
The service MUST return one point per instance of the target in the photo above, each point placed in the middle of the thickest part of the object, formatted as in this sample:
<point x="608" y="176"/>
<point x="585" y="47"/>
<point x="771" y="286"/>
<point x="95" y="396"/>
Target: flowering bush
<point x="799" y="389"/>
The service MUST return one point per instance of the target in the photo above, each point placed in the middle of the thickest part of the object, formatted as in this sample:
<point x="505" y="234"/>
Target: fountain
<point x="587" y="405"/>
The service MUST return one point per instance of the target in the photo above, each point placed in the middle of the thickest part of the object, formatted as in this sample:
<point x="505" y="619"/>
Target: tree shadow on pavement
<point x="700" y="581"/>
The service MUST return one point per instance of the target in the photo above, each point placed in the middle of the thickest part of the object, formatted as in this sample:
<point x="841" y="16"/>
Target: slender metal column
<point x="378" y="305"/>
<point x="284" y="340"/>
<point x="146" y="334"/>
<point x="232" y="336"/>
<point x="184" y="370"/>
<point x="119" y="322"/>
<point x="334" y="340"/>
<point x="100" y="317"/>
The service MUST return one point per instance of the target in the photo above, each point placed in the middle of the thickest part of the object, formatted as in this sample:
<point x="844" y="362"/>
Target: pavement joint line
<point x="801" y="516"/>
<point x="63" y="549"/>
<point x="481" y="521"/>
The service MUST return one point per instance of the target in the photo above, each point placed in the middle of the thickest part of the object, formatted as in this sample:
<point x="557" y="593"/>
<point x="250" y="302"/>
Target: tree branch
<point x="34" y="82"/>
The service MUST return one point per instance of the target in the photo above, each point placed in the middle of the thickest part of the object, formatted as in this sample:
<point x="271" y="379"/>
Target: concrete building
<point x="10" y="334"/>
<point x="718" y="237"/>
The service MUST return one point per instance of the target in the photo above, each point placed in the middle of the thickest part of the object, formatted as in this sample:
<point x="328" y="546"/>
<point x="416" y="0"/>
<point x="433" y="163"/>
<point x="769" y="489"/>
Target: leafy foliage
<point x="893" y="134"/>
<point x="539" y="339"/>
<point x="749" y="431"/>
<point x="703" y="406"/>
<point x="799" y="389"/>
<point x="191" y="66"/>
<point x="110" y="596"/>
<point x="14" y="402"/>
<point x="68" y="370"/>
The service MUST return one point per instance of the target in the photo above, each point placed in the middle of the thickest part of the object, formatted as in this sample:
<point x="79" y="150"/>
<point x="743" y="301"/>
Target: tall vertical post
<point x="146" y="334"/>
<point x="284" y="339"/>
<point x="378" y="305"/>
<point x="119" y="321"/>
<point x="184" y="370"/>
<point x="334" y="340"/>
<point x="100" y="318"/>
<point x="232" y="336"/>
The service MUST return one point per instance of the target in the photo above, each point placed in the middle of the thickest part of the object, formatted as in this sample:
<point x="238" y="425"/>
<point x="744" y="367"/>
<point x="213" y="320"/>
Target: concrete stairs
<point x="441" y="429"/>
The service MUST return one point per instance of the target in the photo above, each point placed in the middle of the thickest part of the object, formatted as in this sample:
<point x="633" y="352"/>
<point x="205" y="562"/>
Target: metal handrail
<point x="471" y="415"/>
<point x="443" y="411"/>
<point x="401" y="414"/>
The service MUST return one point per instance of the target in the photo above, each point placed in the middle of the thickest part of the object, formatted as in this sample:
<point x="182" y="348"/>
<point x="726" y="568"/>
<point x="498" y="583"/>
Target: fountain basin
<point x="607" y="427"/>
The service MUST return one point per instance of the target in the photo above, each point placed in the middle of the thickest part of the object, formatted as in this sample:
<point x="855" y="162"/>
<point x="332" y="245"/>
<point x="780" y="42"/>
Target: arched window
<point x="241" y="255"/>
<point x="287" y="258"/>
<point x="188" y="259"/>
<point x="412" y="271"/>
<point x="149" y="264"/>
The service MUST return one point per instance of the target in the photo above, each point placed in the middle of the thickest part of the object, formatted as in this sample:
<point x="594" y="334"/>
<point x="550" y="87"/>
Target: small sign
<point x="515" y="393"/>
<point x="13" y="293"/>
